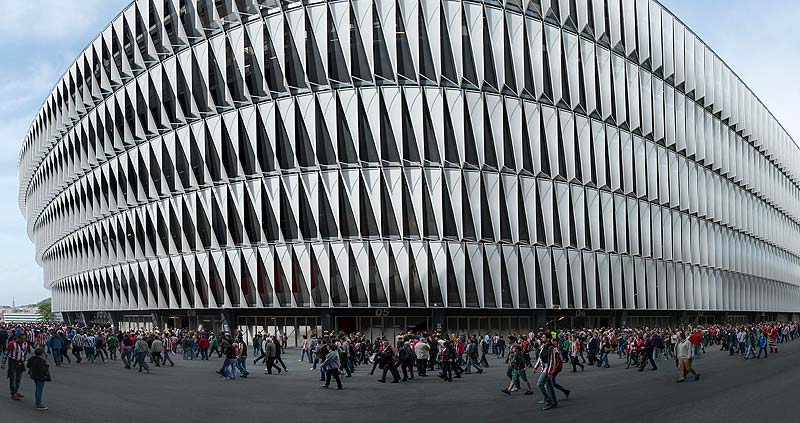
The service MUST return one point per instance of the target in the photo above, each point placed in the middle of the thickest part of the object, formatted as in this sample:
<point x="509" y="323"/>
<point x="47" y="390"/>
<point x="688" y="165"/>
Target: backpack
<point x="556" y="363"/>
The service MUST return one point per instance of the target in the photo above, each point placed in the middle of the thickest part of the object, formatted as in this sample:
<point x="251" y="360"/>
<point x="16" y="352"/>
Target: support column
<point x="157" y="321"/>
<point x="439" y="320"/>
<point x="229" y="322"/>
<point x="327" y="319"/>
<point x="115" y="317"/>
<point x="539" y="318"/>
<point x="622" y="318"/>
<point x="684" y="318"/>
<point x="86" y="316"/>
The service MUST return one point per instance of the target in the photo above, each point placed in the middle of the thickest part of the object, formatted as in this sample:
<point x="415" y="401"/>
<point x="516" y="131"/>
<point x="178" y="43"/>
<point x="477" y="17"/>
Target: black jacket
<point x="38" y="368"/>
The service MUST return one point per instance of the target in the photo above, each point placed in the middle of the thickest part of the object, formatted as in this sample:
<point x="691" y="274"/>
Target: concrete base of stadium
<point x="297" y="322"/>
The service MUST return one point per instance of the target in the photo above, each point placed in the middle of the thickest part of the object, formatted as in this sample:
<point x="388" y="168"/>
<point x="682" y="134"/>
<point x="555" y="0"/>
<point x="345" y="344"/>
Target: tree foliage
<point x="45" y="309"/>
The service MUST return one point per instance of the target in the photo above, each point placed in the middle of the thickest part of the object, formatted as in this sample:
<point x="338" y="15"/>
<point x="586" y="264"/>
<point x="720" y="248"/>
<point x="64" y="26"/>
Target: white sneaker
<point x="514" y="388"/>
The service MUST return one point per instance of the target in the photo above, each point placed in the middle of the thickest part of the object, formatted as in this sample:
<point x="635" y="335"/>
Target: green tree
<point x="45" y="309"/>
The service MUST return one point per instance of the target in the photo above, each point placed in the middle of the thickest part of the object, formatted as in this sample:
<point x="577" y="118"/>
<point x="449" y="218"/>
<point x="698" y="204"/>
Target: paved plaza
<point x="729" y="390"/>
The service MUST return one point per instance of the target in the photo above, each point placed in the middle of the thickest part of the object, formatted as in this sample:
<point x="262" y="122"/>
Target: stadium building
<point x="379" y="165"/>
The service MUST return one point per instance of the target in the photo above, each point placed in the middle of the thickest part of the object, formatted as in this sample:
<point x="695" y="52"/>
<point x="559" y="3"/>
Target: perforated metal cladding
<point x="405" y="153"/>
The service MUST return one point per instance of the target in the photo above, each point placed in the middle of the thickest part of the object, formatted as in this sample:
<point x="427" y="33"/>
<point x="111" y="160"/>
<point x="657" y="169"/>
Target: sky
<point x="39" y="39"/>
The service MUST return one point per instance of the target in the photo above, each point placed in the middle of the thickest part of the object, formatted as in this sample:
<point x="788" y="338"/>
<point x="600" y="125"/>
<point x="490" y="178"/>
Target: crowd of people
<point x="414" y="354"/>
<point x="544" y="352"/>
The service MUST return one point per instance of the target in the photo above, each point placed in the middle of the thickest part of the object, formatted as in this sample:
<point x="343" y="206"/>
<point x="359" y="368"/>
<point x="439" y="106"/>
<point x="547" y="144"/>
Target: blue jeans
<point x="57" y="356"/>
<point x="168" y="358"/>
<point x="39" y="392"/>
<point x="603" y="358"/>
<point x="241" y="363"/>
<point x="303" y="355"/>
<point x="127" y="358"/>
<point x="229" y="368"/>
<point x="546" y="387"/>
<point x="140" y="361"/>
<point x="471" y="362"/>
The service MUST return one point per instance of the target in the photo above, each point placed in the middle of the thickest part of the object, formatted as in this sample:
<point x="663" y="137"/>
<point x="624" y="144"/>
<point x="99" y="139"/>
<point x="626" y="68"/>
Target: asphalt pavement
<point x="730" y="390"/>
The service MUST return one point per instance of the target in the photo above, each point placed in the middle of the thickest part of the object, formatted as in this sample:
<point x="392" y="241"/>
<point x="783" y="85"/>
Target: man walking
<point x="56" y="343"/>
<point x="472" y="357"/>
<point x="156" y="349"/>
<point x="646" y="354"/>
<point x="127" y="350"/>
<point x="229" y="366"/>
<point x="168" y="344"/>
<point x="77" y="346"/>
<point x="549" y="364"/>
<point x="331" y="364"/>
<point x="140" y="351"/>
<point x="16" y="354"/>
<point x="269" y="351"/>
<point x="89" y="343"/>
<point x="684" y="352"/>
<point x="389" y="364"/>
<point x="423" y="353"/>
<point x="241" y="356"/>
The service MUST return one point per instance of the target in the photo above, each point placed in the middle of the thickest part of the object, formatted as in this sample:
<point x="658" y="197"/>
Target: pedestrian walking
<point x="517" y="365"/>
<point x="331" y="364"/>
<point x="140" y="352"/>
<point x="17" y="350"/>
<point x="684" y="352"/>
<point x="40" y="373"/>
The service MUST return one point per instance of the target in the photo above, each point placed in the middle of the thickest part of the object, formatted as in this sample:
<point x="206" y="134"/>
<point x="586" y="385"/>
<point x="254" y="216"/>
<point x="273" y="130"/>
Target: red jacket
<point x="204" y="343"/>
<point x="695" y="338"/>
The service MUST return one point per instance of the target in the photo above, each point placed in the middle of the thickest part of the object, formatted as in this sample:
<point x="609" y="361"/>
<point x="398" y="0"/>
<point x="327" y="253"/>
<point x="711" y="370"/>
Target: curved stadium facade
<point x="378" y="165"/>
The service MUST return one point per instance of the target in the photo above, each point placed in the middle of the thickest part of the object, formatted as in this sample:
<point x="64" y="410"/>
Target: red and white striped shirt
<point x="17" y="350"/>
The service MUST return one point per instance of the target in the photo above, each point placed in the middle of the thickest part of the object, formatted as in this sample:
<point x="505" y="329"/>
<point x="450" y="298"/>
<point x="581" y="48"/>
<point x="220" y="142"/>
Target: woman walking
<point x="40" y="373"/>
